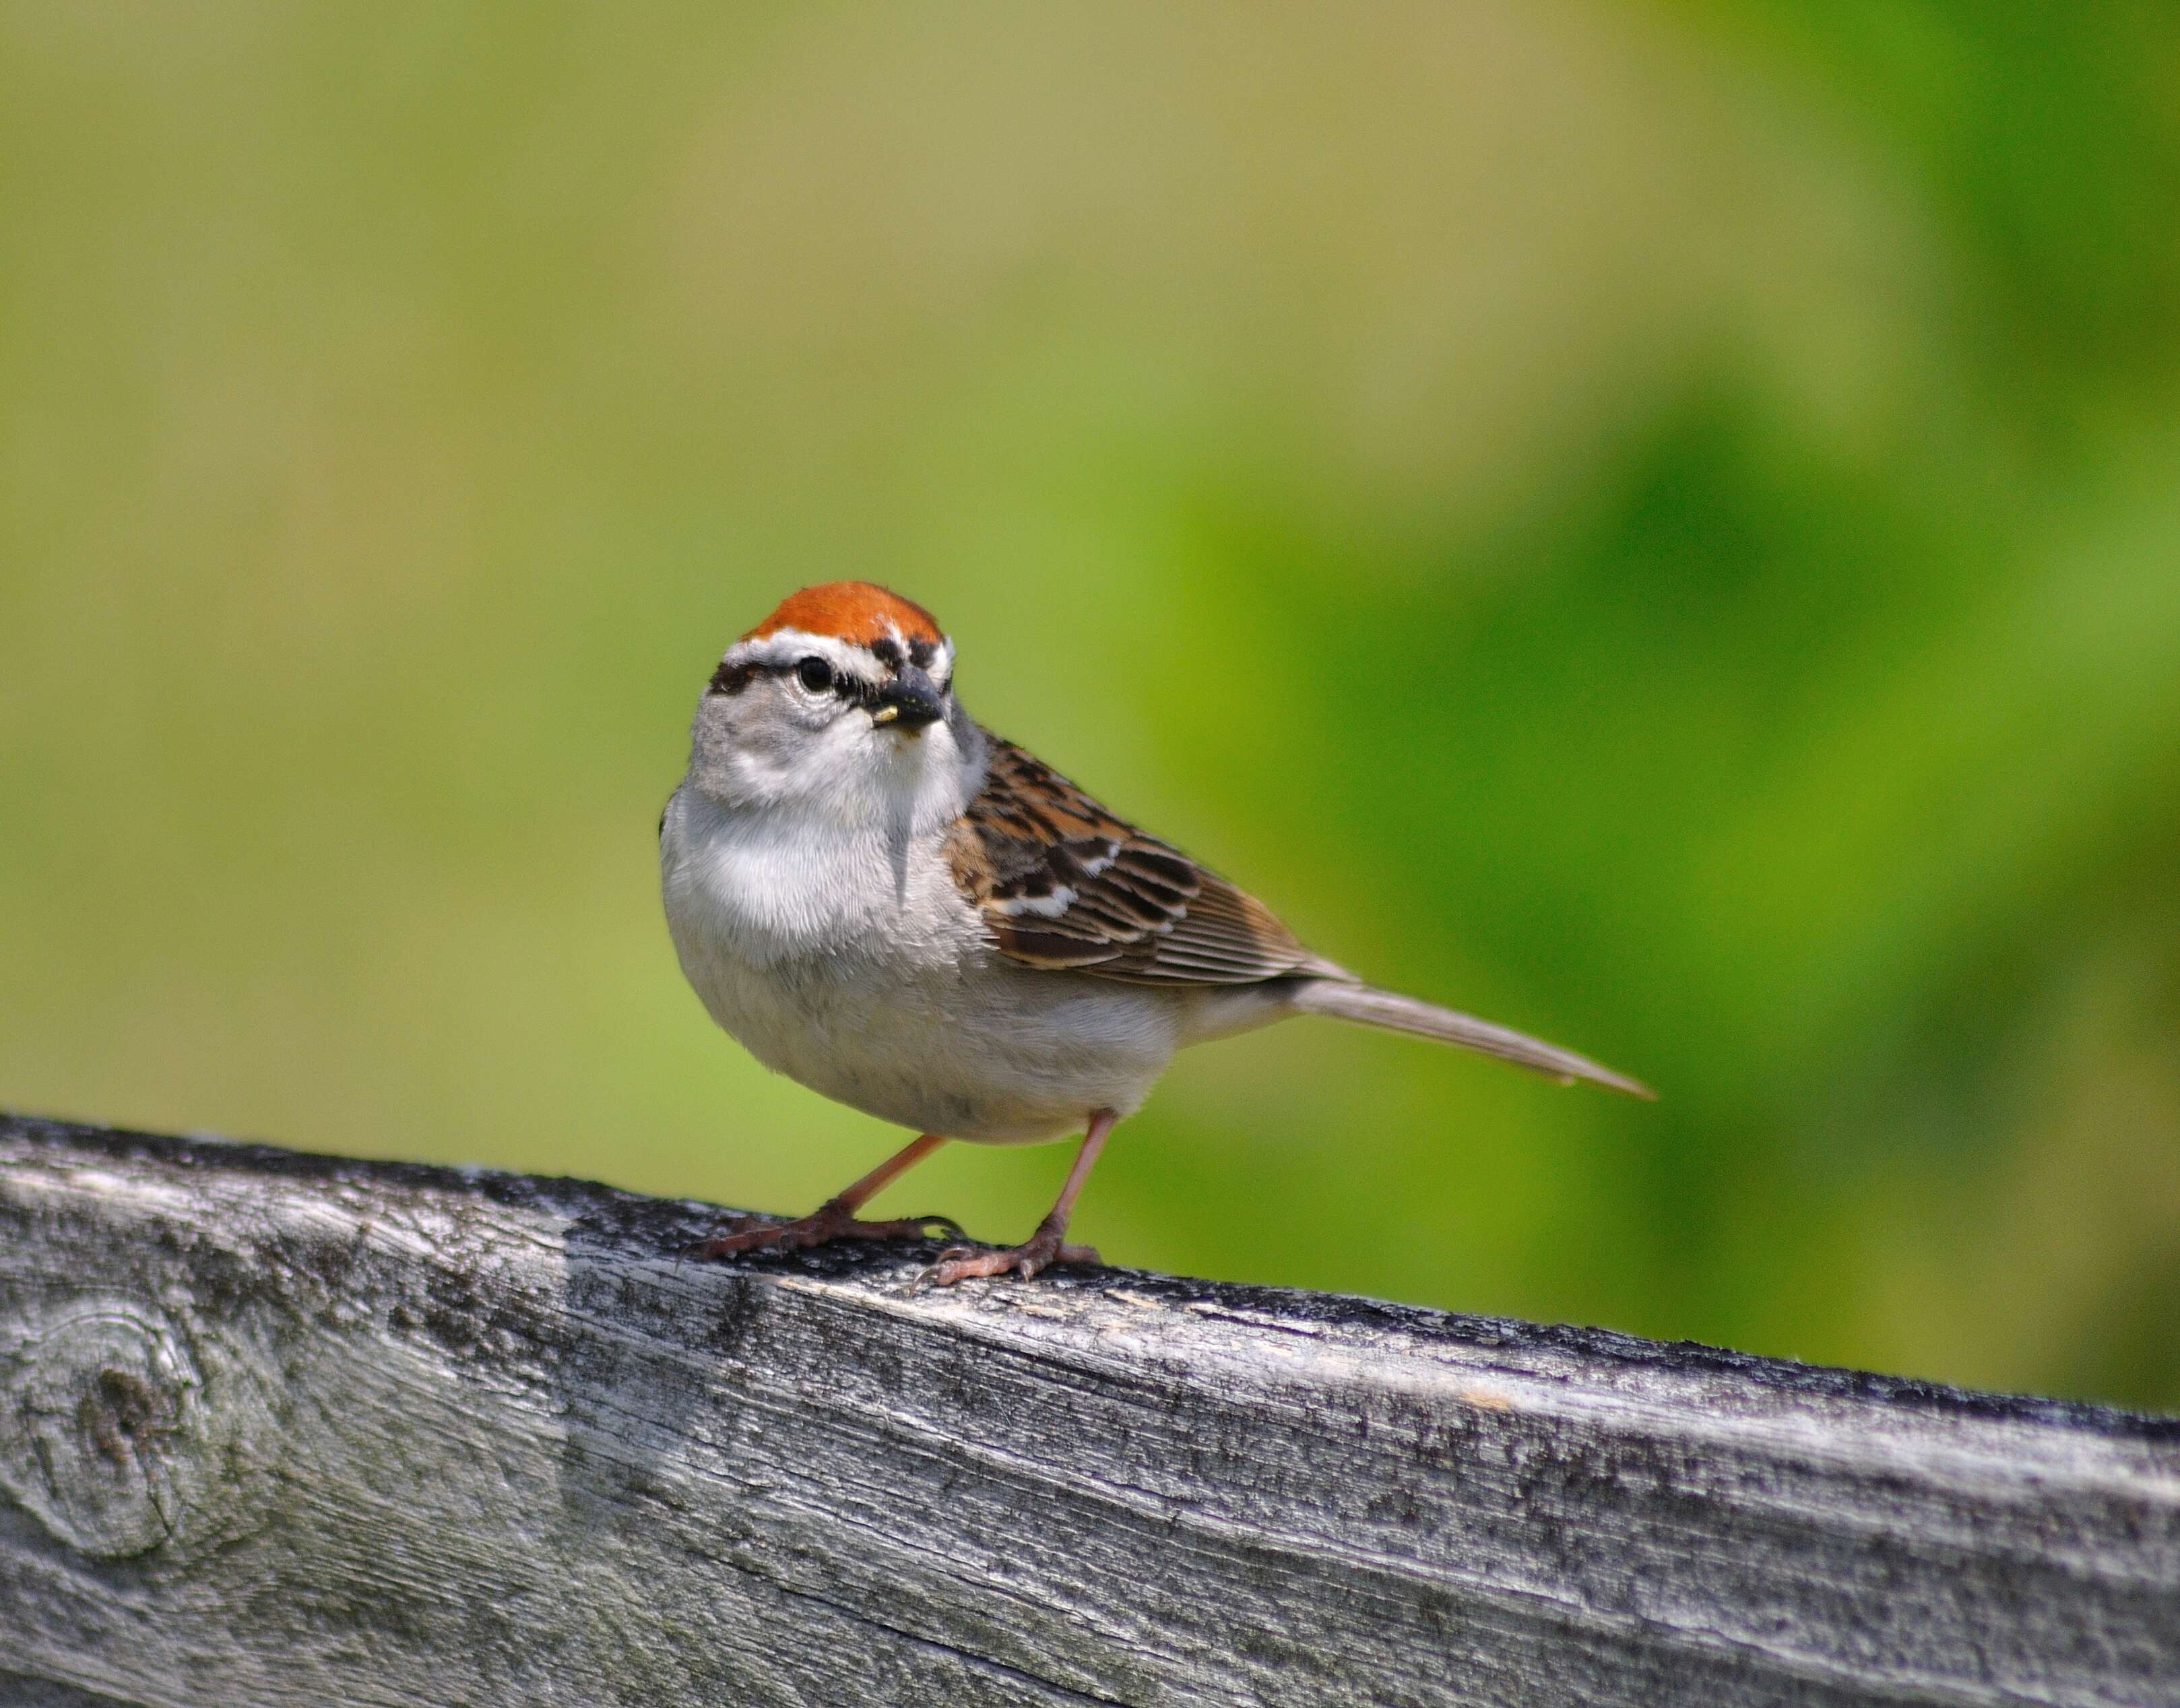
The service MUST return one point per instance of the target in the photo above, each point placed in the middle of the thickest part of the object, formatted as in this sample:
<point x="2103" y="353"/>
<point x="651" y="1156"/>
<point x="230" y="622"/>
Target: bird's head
<point x="841" y="700"/>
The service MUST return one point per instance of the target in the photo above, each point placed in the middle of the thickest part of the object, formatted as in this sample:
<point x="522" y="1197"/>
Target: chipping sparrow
<point x="914" y="916"/>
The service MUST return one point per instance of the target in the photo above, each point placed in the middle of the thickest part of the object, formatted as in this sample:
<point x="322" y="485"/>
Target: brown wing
<point x="1062" y="882"/>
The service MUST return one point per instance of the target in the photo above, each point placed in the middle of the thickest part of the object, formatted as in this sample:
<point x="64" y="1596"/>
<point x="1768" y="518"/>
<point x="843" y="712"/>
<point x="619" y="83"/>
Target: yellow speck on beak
<point x="885" y="714"/>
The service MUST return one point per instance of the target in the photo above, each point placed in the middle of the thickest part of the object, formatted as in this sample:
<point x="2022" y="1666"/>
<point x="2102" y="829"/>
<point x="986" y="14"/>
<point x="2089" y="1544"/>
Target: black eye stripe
<point x="730" y="679"/>
<point x="853" y="689"/>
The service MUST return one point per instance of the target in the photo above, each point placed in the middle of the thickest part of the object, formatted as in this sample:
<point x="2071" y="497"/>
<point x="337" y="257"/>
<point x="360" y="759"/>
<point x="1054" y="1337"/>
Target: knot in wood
<point x="98" y="1416"/>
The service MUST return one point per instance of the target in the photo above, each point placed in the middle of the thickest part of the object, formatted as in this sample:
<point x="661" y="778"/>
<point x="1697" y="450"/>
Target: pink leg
<point x="835" y="1218"/>
<point x="1044" y="1248"/>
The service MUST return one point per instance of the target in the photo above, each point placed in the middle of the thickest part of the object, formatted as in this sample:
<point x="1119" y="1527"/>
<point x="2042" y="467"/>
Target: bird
<point x="900" y="909"/>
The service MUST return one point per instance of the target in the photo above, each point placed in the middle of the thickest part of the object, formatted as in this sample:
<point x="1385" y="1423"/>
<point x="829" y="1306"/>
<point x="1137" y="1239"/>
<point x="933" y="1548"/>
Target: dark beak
<point x="910" y="701"/>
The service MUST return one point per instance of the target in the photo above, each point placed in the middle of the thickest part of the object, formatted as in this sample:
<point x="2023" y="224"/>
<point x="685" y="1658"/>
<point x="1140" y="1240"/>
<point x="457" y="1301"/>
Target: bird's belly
<point x="997" y="1055"/>
<point x="881" y="992"/>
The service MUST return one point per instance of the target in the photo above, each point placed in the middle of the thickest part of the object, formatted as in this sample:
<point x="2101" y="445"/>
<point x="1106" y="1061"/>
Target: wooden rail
<point x="276" y="1429"/>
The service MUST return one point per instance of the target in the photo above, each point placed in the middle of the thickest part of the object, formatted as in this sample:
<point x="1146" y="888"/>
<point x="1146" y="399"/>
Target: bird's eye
<point x="814" y="674"/>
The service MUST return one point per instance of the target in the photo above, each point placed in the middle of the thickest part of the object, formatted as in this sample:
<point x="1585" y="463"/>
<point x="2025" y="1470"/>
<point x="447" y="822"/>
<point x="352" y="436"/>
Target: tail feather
<point x="1371" y="1006"/>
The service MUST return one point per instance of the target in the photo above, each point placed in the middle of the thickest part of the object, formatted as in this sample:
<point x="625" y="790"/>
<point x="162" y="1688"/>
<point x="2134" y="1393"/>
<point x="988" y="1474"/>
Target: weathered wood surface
<point x="275" y="1429"/>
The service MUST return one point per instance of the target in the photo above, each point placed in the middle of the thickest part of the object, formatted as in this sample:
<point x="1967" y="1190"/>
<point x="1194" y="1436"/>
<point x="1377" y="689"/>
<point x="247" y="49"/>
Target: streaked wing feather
<point x="1063" y="883"/>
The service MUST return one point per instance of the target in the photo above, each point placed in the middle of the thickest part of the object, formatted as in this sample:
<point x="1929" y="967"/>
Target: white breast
<point x="852" y="963"/>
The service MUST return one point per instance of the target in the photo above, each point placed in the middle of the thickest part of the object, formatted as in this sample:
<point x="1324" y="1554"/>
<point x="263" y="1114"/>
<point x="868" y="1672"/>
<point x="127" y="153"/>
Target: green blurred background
<point x="1659" y="523"/>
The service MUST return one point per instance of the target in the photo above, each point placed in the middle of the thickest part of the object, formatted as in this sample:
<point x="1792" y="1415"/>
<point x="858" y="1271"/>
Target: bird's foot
<point x="1034" y="1255"/>
<point x="831" y="1220"/>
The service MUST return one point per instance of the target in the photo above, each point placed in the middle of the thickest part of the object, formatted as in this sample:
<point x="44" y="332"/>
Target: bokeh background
<point x="1659" y="523"/>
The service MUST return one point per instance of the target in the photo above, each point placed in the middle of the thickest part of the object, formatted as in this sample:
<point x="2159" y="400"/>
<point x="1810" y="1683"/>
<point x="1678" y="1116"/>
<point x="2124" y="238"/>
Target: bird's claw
<point x="1032" y="1257"/>
<point x="822" y="1226"/>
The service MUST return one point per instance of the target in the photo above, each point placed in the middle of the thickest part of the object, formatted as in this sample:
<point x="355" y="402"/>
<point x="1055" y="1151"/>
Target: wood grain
<point x="276" y="1429"/>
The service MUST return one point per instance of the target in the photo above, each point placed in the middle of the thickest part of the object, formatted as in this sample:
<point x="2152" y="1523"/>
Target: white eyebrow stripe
<point x="786" y="646"/>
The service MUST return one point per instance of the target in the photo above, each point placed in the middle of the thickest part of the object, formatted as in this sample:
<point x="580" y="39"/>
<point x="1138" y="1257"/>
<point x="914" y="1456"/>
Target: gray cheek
<point x="770" y="739"/>
<point x="776" y="724"/>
